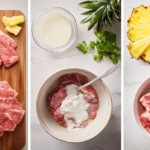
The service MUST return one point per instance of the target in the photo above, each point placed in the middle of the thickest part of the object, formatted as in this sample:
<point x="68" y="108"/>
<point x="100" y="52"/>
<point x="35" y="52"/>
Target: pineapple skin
<point x="16" y="20"/>
<point x="13" y="29"/>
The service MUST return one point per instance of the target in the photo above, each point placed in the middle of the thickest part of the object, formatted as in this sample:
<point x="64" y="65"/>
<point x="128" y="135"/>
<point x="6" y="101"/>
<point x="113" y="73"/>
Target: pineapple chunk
<point x="13" y="29"/>
<point x="16" y="20"/>
<point x="139" y="33"/>
<point x="146" y="54"/>
<point x="6" y="21"/>
<point x="138" y="47"/>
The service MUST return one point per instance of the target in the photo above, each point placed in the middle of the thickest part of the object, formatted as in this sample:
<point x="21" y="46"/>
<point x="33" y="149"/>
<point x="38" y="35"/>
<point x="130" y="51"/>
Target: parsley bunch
<point x="106" y="46"/>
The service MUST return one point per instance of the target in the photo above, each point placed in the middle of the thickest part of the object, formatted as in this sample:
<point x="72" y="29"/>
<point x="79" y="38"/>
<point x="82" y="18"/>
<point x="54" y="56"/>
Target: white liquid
<point x="55" y="30"/>
<point x="75" y="106"/>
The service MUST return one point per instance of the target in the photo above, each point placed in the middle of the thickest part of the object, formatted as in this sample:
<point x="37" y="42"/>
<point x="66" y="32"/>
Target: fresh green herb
<point x="84" y="47"/>
<point x="106" y="46"/>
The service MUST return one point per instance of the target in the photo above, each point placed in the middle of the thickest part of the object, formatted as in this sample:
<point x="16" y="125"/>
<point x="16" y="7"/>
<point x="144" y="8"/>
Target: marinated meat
<point x="8" y="55"/>
<point x="11" y="112"/>
<point x="57" y="95"/>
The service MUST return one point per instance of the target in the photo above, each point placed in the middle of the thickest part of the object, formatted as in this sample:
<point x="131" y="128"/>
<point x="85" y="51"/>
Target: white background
<point x="44" y="64"/>
<point x="134" y="139"/>
<point x="128" y="7"/>
<point x="21" y="5"/>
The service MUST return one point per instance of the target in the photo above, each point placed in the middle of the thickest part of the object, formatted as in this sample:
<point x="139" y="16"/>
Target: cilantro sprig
<point x="106" y="46"/>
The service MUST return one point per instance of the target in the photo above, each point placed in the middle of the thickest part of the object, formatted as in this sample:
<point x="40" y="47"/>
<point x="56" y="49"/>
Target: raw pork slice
<point x="8" y="54"/>
<point x="11" y="112"/>
<point x="145" y="120"/>
<point x="145" y="100"/>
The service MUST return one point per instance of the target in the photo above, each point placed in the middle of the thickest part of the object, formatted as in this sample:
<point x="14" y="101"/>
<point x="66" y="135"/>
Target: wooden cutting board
<point x="16" y="77"/>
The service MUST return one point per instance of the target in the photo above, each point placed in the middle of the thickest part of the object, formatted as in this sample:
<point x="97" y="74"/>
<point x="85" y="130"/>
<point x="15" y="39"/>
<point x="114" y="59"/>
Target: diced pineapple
<point x="146" y="54"/>
<point x="16" y="20"/>
<point x="138" y="47"/>
<point x="13" y="29"/>
<point x="6" y="21"/>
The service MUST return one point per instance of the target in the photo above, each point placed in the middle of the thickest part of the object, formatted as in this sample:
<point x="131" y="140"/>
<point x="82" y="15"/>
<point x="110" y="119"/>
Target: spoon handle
<point x="108" y="72"/>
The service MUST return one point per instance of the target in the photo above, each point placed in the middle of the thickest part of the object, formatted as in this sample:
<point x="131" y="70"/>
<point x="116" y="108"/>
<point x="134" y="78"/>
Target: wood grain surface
<point x="15" y="75"/>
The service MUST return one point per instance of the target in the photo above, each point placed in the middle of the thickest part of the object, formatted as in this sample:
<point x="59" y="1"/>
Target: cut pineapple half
<point x="146" y="54"/>
<point x="16" y="20"/>
<point x="139" y="32"/>
<point x="6" y="21"/>
<point x="13" y="29"/>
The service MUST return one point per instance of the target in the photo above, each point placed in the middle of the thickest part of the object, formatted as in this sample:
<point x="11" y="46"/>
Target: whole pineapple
<point x="101" y="12"/>
<point x="139" y="33"/>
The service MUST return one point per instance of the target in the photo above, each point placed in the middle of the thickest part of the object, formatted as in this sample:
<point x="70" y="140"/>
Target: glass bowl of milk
<point x="54" y="29"/>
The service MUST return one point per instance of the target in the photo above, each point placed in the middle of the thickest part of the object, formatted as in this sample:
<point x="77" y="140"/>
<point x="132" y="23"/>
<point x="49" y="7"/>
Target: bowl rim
<point x="134" y="102"/>
<point x="67" y="70"/>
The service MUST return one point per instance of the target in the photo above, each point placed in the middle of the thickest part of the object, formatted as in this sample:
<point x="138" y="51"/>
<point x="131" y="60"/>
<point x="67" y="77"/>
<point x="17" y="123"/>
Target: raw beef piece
<point x="11" y="112"/>
<point x="145" y="120"/>
<point x="145" y="100"/>
<point x="57" y="95"/>
<point x="8" y="54"/>
<point x="1" y="131"/>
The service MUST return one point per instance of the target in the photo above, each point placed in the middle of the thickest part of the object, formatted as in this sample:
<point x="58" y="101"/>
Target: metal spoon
<point x="108" y="72"/>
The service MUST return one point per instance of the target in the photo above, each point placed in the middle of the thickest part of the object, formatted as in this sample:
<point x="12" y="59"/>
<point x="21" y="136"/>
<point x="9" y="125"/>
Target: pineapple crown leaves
<point x="100" y="12"/>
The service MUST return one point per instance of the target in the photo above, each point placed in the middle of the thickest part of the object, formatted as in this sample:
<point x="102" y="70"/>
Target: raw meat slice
<point x="145" y="100"/>
<point x="8" y="55"/>
<point x="1" y="60"/>
<point x="8" y="58"/>
<point x="1" y="131"/>
<point x="8" y="93"/>
<point x="7" y="41"/>
<point x="56" y="96"/>
<point x="4" y="84"/>
<point x="145" y="120"/>
<point x="11" y="112"/>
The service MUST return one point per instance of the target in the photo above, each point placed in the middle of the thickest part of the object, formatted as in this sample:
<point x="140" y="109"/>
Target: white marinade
<point x="75" y="106"/>
<point x="55" y="30"/>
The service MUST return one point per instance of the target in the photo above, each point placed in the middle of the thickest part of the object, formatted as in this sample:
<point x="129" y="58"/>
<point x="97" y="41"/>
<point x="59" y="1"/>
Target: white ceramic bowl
<point x="95" y="126"/>
<point x="137" y="106"/>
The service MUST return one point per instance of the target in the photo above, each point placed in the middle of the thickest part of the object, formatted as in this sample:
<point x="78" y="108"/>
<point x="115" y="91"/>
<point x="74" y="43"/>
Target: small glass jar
<point x="54" y="11"/>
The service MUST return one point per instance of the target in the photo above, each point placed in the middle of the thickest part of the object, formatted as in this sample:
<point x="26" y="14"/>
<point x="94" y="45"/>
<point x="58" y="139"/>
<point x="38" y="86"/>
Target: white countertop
<point x="128" y="7"/>
<point x="21" y="5"/>
<point x="134" y="139"/>
<point x="44" y="64"/>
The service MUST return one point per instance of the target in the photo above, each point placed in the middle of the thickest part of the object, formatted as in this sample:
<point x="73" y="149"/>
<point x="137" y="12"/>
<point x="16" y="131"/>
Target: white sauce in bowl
<point x="55" y="30"/>
<point x="75" y="106"/>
